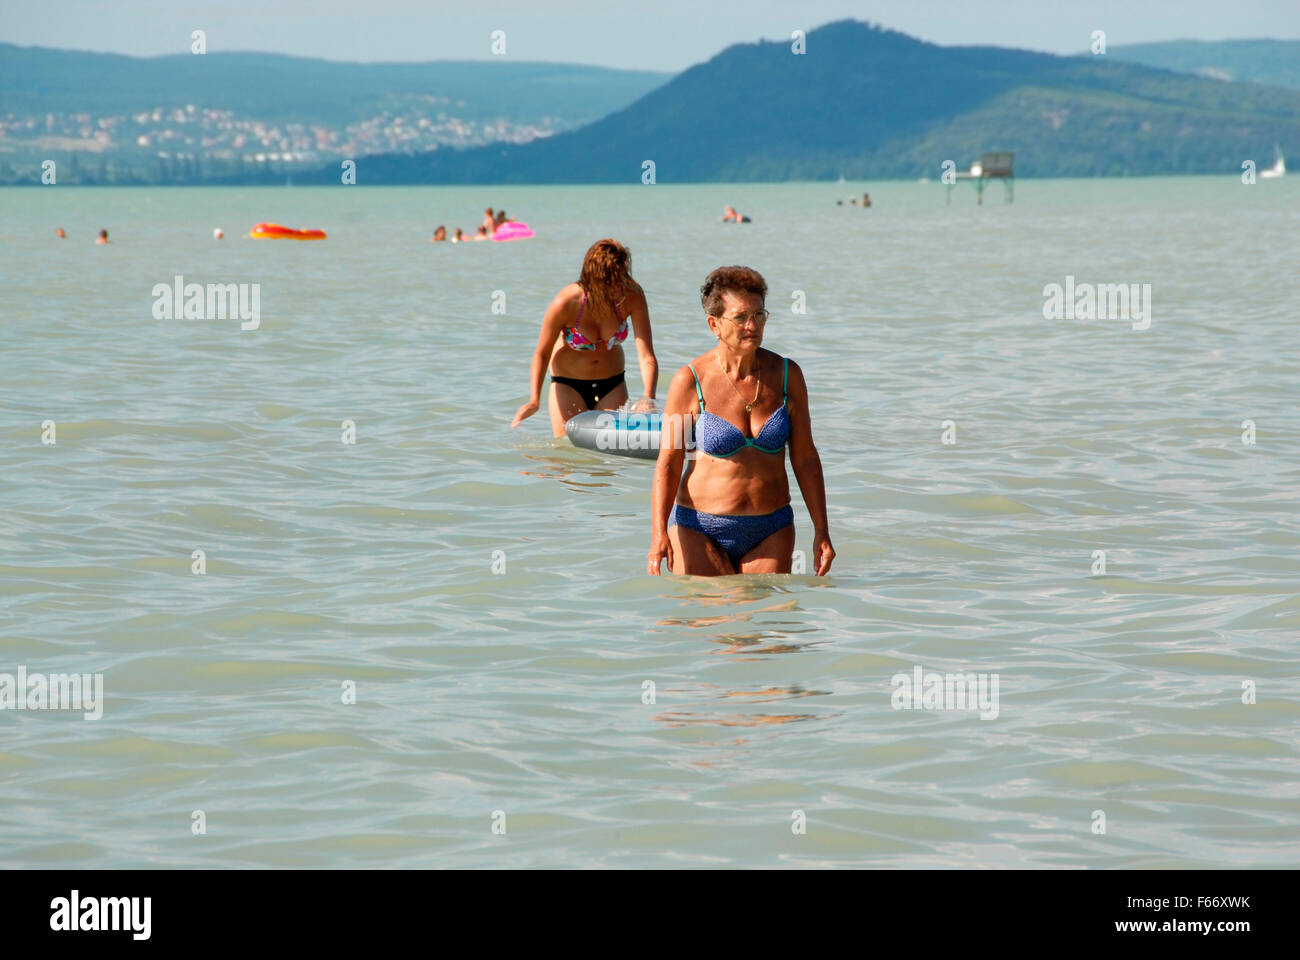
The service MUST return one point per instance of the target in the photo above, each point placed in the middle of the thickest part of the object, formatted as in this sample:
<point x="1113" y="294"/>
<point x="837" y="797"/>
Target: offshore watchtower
<point x="992" y="166"/>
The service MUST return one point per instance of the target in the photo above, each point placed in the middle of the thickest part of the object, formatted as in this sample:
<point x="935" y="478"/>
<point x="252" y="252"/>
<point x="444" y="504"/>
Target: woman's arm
<point x="645" y="349"/>
<point x="678" y="410"/>
<point x="808" y="469"/>
<point x="552" y="323"/>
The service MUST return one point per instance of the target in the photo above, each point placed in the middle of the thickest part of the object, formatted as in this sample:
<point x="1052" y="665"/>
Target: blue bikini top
<point x="721" y="438"/>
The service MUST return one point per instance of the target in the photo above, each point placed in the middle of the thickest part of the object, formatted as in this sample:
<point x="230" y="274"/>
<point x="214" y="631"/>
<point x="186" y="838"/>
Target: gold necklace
<point x="759" y="386"/>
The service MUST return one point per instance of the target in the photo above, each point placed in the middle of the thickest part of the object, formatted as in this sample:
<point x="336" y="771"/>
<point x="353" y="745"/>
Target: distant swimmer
<point x="489" y="224"/>
<point x="60" y="234"/>
<point x="729" y="215"/>
<point x="866" y="200"/>
<point x="103" y="237"/>
<point x="481" y="235"/>
<point x="582" y="341"/>
<point x="439" y="235"/>
<point x="460" y="235"/>
<point x="500" y="218"/>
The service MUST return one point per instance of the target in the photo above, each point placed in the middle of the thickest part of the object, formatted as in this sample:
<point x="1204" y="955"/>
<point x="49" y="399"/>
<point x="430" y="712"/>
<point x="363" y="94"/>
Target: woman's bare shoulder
<point x="796" y="384"/>
<point x="684" y="377"/>
<point x="702" y="358"/>
<point x="684" y="372"/>
<point x="569" y="297"/>
<point x="777" y="360"/>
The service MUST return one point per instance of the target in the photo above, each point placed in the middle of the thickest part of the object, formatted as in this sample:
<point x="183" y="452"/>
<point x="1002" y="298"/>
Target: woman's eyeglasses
<point x="757" y="318"/>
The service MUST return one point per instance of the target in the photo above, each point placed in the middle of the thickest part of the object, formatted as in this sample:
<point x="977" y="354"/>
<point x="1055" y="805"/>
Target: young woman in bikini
<point x="582" y="339"/>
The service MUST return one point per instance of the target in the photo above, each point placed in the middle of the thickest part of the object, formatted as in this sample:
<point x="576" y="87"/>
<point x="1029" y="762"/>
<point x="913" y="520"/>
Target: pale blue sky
<point x="652" y="34"/>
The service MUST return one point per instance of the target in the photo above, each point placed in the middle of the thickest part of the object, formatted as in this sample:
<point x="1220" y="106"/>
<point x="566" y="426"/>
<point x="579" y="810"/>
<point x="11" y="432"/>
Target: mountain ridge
<point x="863" y="101"/>
<point x="1255" y="60"/>
<point x="867" y="102"/>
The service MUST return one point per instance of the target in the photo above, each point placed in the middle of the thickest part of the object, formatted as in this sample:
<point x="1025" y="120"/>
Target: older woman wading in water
<point x="731" y="511"/>
<point x="582" y="337"/>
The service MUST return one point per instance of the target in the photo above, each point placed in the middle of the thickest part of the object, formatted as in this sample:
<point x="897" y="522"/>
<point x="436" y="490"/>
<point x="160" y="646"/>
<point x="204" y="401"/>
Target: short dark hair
<point x="733" y="279"/>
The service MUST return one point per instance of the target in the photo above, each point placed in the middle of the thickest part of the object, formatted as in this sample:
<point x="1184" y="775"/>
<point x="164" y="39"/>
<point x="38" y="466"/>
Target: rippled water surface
<point x="522" y="691"/>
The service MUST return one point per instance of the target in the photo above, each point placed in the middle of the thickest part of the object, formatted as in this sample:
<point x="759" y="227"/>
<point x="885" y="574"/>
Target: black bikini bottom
<point x="591" y="390"/>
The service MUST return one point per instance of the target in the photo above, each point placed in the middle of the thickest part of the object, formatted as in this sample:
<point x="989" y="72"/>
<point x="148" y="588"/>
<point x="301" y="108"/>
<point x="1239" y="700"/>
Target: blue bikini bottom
<point x="736" y="535"/>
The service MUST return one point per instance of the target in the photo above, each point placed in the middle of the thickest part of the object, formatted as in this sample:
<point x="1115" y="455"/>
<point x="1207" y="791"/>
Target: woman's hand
<point x="644" y="404"/>
<point x="524" y="412"/>
<point x="823" y="552"/>
<point x="661" y="548"/>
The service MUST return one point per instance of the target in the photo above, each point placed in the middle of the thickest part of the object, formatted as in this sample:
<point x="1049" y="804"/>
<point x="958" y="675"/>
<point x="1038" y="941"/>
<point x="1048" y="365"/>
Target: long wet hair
<point x="606" y="270"/>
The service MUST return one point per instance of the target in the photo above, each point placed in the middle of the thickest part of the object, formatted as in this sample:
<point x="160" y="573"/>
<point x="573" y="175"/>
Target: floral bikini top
<point x="576" y="341"/>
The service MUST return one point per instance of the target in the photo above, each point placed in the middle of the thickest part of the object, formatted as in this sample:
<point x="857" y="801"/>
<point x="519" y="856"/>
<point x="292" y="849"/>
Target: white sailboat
<point x="1279" y="166"/>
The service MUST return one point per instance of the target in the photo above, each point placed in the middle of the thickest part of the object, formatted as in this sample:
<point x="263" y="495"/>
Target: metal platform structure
<point x="992" y="166"/>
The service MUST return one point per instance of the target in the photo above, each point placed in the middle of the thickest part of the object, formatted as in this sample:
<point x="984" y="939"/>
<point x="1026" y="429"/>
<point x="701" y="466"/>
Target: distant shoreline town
<point x="220" y="137"/>
<point x="192" y="142"/>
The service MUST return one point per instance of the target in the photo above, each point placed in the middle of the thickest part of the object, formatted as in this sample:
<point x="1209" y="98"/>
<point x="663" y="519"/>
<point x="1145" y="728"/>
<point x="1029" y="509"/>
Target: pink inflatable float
<point x="512" y="230"/>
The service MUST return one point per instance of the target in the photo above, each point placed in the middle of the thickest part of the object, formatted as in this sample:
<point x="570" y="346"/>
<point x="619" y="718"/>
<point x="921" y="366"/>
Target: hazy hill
<point x="38" y="80"/>
<point x="237" y="117"/>
<point x="862" y="102"/>
<point x="1275" y="62"/>
<point x="868" y="102"/>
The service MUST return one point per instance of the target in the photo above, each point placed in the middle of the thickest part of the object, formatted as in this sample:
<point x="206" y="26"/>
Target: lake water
<point x="521" y="691"/>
